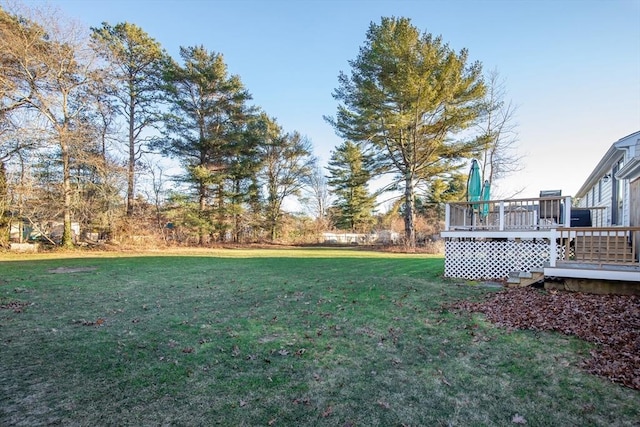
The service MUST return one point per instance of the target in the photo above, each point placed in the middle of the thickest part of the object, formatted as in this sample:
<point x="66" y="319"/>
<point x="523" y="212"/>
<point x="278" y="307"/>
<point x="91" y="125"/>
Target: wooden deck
<point x="545" y="234"/>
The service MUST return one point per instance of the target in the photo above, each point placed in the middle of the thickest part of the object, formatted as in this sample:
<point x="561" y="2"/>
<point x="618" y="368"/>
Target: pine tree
<point x="407" y="95"/>
<point x="208" y="107"/>
<point x="349" y="175"/>
<point x="134" y="74"/>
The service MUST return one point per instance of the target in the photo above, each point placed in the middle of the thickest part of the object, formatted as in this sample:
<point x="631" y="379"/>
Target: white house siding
<point x="623" y="155"/>
<point x="599" y="195"/>
<point x="634" y="205"/>
<point x="626" y="206"/>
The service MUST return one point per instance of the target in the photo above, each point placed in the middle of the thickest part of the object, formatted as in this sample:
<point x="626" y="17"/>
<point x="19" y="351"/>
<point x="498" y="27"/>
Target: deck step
<point x="524" y="278"/>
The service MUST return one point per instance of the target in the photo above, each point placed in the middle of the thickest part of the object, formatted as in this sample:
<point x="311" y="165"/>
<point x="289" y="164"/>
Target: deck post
<point x="501" y="216"/>
<point x="567" y="211"/>
<point x="553" y="247"/>
<point x="447" y="216"/>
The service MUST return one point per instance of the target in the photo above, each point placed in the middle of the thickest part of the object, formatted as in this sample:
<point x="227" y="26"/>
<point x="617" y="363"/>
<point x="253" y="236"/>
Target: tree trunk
<point x="274" y="230"/>
<point x="273" y="216"/>
<point x="67" y="236"/>
<point x="4" y="221"/>
<point x="132" y="160"/>
<point x="409" y="213"/>
<point x="203" y="206"/>
<point x="236" y="211"/>
<point x="221" y="223"/>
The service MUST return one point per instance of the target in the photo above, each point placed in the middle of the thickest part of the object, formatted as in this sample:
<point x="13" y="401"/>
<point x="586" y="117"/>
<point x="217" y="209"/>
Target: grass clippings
<point x="610" y="321"/>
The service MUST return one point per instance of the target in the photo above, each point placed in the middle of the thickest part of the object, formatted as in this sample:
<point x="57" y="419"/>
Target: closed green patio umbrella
<point x="486" y="195"/>
<point x="474" y="187"/>
<point x="474" y="183"/>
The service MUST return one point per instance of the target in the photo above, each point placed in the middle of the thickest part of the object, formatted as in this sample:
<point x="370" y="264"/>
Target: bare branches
<point x="498" y="133"/>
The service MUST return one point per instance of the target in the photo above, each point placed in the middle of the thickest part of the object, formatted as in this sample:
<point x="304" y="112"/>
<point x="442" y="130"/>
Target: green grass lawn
<point x="276" y="337"/>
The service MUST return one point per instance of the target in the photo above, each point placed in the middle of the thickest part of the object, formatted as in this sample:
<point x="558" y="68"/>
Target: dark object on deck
<point x="580" y="218"/>
<point x="551" y="209"/>
<point x="550" y="193"/>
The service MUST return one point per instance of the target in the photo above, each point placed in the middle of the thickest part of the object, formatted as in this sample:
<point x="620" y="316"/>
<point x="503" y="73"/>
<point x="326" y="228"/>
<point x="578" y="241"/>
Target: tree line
<point x="87" y="116"/>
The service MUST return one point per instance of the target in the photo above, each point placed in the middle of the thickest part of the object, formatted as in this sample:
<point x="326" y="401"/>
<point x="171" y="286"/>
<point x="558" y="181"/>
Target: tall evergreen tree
<point x="135" y="61"/>
<point x="245" y="160"/>
<point x="407" y="95"/>
<point x="207" y="108"/>
<point x="349" y="175"/>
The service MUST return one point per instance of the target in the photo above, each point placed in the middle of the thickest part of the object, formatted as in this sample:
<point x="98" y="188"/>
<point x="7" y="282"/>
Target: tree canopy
<point x="407" y="96"/>
<point x="94" y="124"/>
<point x="204" y="130"/>
<point x="349" y="175"/>
<point x="134" y="80"/>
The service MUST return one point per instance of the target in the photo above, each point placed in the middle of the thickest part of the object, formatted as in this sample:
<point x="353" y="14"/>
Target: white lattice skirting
<point x="491" y="260"/>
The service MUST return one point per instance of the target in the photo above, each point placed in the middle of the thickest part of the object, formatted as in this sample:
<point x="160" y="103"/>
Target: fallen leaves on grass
<point x="16" y="306"/>
<point x="610" y="321"/>
<point x="443" y="379"/>
<point x="327" y="412"/>
<point x="383" y="404"/>
<point x="98" y="322"/>
<point x="236" y="351"/>
<point x="302" y="401"/>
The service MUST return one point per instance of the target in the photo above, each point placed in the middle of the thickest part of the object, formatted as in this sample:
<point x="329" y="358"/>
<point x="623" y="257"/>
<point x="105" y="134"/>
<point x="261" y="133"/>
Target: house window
<point x="593" y="196"/>
<point x="617" y="196"/>
<point x="599" y="191"/>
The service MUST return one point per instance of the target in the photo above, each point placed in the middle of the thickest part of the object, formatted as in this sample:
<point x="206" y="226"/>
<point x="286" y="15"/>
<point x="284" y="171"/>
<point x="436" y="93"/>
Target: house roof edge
<point x="605" y="164"/>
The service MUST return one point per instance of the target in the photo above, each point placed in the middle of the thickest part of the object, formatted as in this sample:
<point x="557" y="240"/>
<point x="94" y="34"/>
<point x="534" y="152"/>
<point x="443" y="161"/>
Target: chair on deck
<point x="550" y="210"/>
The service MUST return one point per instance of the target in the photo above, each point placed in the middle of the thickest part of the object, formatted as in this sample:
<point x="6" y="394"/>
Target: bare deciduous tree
<point x="288" y="161"/>
<point x="54" y="68"/>
<point x="499" y="156"/>
<point x="317" y="197"/>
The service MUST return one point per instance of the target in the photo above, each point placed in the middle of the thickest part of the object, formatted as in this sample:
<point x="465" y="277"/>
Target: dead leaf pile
<point x="611" y="321"/>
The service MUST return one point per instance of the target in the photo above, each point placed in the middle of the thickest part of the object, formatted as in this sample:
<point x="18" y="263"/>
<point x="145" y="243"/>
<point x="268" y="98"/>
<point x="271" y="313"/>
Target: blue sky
<point x="571" y="66"/>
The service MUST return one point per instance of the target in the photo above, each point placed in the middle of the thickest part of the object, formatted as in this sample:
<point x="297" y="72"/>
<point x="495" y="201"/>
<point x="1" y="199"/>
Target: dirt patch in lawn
<point x="610" y="321"/>
<point x="63" y="270"/>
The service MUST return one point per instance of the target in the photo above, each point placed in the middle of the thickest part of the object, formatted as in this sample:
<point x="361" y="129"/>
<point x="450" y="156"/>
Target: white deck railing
<point x="490" y="239"/>
<point x="520" y="214"/>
